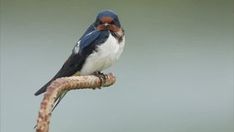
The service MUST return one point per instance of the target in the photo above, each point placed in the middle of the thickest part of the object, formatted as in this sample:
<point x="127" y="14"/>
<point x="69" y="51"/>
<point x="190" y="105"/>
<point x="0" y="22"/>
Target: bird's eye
<point x="112" y="22"/>
<point x="100" y="22"/>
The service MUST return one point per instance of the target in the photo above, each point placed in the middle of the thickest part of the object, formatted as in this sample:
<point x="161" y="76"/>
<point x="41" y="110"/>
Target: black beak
<point x="107" y="25"/>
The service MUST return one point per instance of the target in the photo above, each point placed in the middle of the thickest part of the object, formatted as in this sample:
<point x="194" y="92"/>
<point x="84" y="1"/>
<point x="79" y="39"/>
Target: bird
<point x="97" y="49"/>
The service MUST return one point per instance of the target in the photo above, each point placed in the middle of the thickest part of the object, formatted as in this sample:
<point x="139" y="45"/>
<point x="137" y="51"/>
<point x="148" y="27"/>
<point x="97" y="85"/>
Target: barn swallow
<point x="98" y="48"/>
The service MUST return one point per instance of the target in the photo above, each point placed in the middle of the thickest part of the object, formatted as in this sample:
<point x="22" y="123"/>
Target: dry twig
<point x="66" y="83"/>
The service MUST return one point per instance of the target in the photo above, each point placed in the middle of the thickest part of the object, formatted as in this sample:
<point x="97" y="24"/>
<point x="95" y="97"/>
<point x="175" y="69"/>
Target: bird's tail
<point x="58" y="99"/>
<point x="43" y="89"/>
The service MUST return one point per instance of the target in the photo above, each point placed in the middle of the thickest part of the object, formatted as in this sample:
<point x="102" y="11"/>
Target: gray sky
<point x="175" y="75"/>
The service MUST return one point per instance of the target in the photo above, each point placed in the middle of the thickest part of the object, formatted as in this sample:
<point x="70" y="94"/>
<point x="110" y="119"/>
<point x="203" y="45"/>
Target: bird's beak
<point x="107" y="25"/>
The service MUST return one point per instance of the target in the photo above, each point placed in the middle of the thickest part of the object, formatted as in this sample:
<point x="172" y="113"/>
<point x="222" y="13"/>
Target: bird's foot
<point x="102" y="78"/>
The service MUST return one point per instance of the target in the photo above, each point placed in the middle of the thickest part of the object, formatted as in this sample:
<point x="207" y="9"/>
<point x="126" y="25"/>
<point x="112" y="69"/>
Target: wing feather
<point x="74" y="63"/>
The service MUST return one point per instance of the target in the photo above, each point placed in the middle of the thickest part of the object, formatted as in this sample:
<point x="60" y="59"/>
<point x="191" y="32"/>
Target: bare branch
<point x="66" y="83"/>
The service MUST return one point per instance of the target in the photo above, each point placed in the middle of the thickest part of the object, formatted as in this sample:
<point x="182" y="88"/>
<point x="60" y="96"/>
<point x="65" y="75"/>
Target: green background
<point x="175" y="75"/>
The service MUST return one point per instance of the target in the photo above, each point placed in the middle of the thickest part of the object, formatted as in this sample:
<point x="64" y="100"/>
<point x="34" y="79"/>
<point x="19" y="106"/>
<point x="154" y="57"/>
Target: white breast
<point x="105" y="55"/>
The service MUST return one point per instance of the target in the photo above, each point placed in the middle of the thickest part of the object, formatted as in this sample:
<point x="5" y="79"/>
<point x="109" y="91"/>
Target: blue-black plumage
<point x="99" y="47"/>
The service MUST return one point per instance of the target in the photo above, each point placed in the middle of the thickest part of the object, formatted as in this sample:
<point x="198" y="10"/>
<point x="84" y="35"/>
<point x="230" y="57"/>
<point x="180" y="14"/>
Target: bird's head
<point x="107" y="20"/>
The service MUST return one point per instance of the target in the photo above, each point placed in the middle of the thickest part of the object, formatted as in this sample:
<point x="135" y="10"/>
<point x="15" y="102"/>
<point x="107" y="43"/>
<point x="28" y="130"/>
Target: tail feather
<point x="57" y="100"/>
<point x="42" y="89"/>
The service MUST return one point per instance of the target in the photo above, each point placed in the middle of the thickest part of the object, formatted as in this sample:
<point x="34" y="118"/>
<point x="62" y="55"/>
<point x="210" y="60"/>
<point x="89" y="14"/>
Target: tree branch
<point x="66" y="83"/>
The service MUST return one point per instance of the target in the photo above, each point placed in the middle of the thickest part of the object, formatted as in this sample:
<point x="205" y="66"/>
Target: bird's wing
<point x="69" y="68"/>
<point x="81" y="51"/>
<point x="90" y="29"/>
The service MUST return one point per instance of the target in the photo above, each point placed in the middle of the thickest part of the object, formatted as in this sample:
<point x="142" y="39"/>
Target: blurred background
<point x="175" y="75"/>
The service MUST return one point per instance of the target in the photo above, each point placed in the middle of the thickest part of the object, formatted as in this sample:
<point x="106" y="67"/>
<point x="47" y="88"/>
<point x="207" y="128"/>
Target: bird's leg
<point x="101" y="76"/>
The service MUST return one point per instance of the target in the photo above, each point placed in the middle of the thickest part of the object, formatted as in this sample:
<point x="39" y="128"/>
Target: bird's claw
<point x="102" y="78"/>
